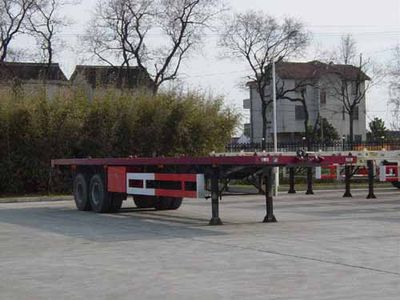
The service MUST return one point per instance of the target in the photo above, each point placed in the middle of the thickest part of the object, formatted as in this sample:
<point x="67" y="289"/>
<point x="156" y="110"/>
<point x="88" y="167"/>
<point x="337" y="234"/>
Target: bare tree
<point x="12" y="17"/>
<point x="353" y="84"/>
<point x="117" y="33"/>
<point x="15" y="54"/>
<point x="351" y="92"/>
<point x="347" y="52"/>
<point x="122" y="31"/>
<point x="394" y="101"/>
<point x="260" y="40"/>
<point x="118" y="29"/>
<point x="44" y="24"/>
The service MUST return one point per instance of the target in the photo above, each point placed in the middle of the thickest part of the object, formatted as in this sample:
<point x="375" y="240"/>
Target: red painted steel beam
<point x="278" y="160"/>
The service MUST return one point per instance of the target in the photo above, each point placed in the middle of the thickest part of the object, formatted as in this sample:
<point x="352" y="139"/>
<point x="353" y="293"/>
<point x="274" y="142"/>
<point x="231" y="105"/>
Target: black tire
<point x="144" y="201"/>
<point x="396" y="184"/>
<point x="81" y="194"/>
<point x="116" y="201"/>
<point x="175" y="203"/>
<point x="100" y="199"/>
<point x="167" y="203"/>
<point x="162" y="203"/>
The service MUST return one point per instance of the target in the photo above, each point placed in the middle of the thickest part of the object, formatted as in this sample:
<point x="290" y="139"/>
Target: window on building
<point x="300" y="113"/>
<point x="356" y="113"/>
<point x="323" y="97"/>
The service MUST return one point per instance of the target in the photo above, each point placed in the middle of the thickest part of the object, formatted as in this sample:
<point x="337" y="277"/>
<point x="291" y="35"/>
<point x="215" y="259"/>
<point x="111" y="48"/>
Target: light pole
<point x="275" y="125"/>
<point x="274" y="103"/>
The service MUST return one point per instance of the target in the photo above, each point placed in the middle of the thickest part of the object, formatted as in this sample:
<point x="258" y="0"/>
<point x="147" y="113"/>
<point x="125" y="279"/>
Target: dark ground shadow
<point x="130" y="224"/>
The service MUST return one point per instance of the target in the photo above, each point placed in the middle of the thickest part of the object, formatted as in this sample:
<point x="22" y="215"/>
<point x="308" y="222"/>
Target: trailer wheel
<point x="167" y="203"/>
<point x="175" y="203"/>
<point x="81" y="193"/>
<point x="396" y="184"/>
<point x="116" y="201"/>
<point x="144" y="201"/>
<point x="100" y="199"/>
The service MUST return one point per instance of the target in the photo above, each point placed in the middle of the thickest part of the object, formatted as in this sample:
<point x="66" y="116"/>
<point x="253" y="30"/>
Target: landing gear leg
<point x="268" y="179"/>
<point x="215" y="220"/>
<point x="347" y="193"/>
<point x="310" y="190"/>
<point x="371" y="179"/>
<point x="292" y="189"/>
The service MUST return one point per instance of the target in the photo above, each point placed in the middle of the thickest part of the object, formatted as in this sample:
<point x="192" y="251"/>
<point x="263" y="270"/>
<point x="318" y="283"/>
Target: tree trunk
<point x="351" y="125"/>
<point x="4" y="53"/>
<point x="264" y="126"/>
<point x="154" y="89"/>
<point x="306" y="131"/>
<point x="49" y="60"/>
<point x="307" y="136"/>
<point x="264" y="106"/>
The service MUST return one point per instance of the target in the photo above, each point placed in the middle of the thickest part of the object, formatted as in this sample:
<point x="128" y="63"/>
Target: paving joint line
<point x="302" y="257"/>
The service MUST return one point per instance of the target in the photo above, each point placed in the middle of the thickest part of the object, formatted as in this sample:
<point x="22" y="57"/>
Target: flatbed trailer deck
<point x="101" y="184"/>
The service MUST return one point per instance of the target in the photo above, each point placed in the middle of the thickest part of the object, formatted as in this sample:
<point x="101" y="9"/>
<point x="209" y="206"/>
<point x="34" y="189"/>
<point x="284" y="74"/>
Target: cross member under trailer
<point x="102" y="184"/>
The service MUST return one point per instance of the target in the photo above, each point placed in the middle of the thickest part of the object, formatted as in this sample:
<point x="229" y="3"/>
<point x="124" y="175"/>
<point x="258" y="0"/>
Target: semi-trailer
<point x="102" y="184"/>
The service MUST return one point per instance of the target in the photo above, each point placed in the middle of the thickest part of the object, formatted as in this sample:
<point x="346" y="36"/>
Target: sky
<point x="374" y="24"/>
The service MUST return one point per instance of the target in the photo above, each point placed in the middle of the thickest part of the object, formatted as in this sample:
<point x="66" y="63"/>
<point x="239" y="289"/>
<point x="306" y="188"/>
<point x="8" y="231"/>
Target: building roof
<point x="315" y="69"/>
<point x="111" y="75"/>
<point x="30" y="71"/>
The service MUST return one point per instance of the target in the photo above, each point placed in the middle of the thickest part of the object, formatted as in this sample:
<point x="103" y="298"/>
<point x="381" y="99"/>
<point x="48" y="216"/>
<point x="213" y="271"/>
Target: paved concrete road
<point x="324" y="247"/>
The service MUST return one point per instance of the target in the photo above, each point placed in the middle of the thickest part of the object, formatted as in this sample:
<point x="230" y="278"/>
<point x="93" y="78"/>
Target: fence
<point x="327" y="147"/>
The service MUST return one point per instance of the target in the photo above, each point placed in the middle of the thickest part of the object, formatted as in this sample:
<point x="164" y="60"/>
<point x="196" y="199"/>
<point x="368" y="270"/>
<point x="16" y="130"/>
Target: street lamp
<point x="383" y="141"/>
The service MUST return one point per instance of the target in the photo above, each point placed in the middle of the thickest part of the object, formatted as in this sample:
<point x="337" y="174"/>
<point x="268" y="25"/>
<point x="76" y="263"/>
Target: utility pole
<point x="275" y="125"/>
<point x="274" y="103"/>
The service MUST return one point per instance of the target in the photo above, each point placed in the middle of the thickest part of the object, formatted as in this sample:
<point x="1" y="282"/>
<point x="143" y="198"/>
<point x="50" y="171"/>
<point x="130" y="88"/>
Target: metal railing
<point x="328" y="147"/>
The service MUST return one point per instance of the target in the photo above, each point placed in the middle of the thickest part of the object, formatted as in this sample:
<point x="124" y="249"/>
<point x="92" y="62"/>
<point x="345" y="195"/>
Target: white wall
<point x="287" y="123"/>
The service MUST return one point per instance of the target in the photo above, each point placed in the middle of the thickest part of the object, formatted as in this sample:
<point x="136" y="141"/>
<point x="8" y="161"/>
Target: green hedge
<point x="34" y="130"/>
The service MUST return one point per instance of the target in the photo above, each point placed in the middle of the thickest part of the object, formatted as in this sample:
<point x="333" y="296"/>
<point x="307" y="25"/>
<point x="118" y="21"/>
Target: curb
<point x="35" y="199"/>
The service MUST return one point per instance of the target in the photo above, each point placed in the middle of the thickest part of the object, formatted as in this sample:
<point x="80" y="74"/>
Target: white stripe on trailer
<point x="144" y="191"/>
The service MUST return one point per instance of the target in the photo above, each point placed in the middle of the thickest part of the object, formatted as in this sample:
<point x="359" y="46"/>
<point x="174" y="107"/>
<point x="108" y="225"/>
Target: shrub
<point x="34" y="130"/>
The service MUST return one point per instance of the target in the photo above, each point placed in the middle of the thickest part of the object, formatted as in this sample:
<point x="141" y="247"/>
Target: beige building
<point x="32" y="79"/>
<point x="94" y="79"/>
<point x="321" y="99"/>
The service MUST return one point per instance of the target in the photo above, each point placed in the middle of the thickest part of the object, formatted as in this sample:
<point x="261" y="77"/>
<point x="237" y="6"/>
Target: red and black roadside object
<point x="102" y="184"/>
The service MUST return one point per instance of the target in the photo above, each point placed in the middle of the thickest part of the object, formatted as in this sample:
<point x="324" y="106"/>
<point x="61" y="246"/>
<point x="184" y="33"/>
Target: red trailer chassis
<point x="102" y="184"/>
